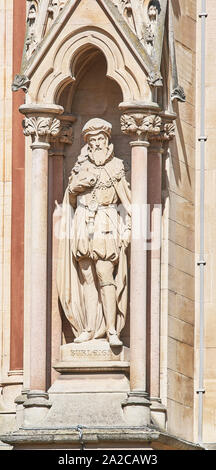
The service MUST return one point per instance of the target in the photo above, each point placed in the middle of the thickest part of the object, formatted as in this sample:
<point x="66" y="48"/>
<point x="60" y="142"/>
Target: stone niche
<point x="93" y="94"/>
<point x="91" y="373"/>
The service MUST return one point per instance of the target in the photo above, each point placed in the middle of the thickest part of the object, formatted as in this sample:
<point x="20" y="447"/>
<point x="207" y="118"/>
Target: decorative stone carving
<point x="31" y="40"/>
<point x="153" y="12"/>
<point x="64" y="137"/>
<point x="66" y="134"/>
<point x="155" y="78"/>
<point x="41" y="15"/>
<point x="141" y="124"/>
<point x="20" y="82"/>
<point x="177" y="90"/>
<point x="179" y="94"/>
<point x="92" y="271"/>
<point x="132" y="11"/>
<point x="141" y="18"/>
<point x="168" y="132"/>
<point x="40" y="128"/>
<point x="149" y="126"/>
<point x="55" y="7"/>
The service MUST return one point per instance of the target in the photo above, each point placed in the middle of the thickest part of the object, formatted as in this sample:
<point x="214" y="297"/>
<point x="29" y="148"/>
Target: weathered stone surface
<point x="98" y="438"/>
<point x="93" y="350"/>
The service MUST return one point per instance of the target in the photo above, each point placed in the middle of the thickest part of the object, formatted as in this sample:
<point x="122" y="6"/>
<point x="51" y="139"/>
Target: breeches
<point x="103" y="270"/>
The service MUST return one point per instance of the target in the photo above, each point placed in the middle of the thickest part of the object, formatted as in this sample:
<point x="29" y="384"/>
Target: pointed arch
<point x="63" y="69"/>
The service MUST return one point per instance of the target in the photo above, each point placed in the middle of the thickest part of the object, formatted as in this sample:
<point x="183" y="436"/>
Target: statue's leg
<point x="90" y="298"/>
<point x="104" y="271"/>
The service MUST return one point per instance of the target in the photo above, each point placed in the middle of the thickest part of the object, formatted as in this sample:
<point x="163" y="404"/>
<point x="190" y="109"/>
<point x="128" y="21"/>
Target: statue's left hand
<point x="126" y="237"/>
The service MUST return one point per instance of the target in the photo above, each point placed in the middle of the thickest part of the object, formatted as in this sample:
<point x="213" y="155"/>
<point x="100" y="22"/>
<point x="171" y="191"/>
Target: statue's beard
<point x="98" y="155"/>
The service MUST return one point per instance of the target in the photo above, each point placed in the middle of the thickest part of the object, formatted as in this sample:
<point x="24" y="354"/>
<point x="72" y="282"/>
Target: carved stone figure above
<point x="153" y="12"/>
<point x="93" y="239"/>
<point x="132" y="11"/>
<point x="55" y="8"/>
<point x="141" y="18"/>
<point x="31" y="40"/>
<point x="40" y="17"/>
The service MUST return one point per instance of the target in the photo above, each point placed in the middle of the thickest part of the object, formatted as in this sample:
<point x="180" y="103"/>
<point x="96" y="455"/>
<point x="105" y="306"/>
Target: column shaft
<point x="138" y="267"/>
<point x="154" y="199"/>
<point x="39" y="266"/>
<point x="57" y="193"/>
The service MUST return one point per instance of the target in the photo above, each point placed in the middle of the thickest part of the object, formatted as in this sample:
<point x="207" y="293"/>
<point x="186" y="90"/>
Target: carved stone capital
<point x="167" y="130"/>
<point x="41" y="122"/>
<point x="66" y="129"/>
<point x="65" y="135"/>
<point x="141" y="125"/>
<point x="41" y="128"/>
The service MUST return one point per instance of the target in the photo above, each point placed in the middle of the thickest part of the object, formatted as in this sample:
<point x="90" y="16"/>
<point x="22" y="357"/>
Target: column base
<point x="136" y="409"/>
<point x="36" y="407"/>
<point x="158" y="413"/>
<point x="19" y="401"/>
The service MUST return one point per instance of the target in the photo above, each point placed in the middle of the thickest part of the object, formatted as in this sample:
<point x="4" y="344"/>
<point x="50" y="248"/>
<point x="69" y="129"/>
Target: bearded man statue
<point x="96" y="223"/>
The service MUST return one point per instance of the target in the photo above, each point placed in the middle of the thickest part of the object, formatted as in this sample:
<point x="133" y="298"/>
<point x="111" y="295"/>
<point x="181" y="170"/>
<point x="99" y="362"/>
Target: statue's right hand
<point x="80" y="182"/>
<point x="87" y="179"/>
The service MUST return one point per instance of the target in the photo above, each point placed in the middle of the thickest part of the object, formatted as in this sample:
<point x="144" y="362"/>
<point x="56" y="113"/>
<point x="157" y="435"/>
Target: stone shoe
<point x="84" y="336"/>
<point x="114" y="340"/>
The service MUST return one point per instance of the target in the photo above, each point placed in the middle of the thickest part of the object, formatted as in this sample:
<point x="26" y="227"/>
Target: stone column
<point x="158" y="410"/>
<point x="140" y="126"/>
<point x="56" y="190"/>
<point x="40" y="123"/>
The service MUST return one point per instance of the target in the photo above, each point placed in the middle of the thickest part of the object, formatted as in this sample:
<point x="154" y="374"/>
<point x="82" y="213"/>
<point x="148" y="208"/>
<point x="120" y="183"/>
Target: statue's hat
<point x="96" y="125"/>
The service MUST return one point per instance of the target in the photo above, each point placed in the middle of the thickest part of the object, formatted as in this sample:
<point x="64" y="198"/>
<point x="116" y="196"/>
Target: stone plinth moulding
<point x="41" y="122"/>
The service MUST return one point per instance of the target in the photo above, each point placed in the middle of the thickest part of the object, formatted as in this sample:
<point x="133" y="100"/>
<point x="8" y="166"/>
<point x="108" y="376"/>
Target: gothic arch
<point x="63" y="70"/>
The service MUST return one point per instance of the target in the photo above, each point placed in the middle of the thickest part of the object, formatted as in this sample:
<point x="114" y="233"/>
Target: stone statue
<point x="96" y="222"/>
<point x="31" y="42"/>
<point x="153" y="12"/>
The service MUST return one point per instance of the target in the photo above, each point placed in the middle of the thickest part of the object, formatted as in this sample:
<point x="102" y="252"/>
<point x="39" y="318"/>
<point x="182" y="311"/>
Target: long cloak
<point x="69" y="285"/>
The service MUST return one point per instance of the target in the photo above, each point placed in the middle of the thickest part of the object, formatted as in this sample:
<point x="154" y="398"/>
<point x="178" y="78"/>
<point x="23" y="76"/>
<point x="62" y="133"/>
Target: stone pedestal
<point x="93" y="383"/>
<point x="96" y="350"/>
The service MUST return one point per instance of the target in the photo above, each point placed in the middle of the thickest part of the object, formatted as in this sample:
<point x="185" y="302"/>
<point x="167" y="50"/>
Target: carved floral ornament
<point x="41" y="127"/>
<point x="65" y="134"/>
<point x="150" y="127"/>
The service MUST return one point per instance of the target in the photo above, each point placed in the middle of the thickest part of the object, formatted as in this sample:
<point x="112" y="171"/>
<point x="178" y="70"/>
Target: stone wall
<point x="178" y="312"/>
<point x="11" y="215"/>
<point x="209" y="399"/>
<point x="6" y="39"/>
<point x="180" y="246"/>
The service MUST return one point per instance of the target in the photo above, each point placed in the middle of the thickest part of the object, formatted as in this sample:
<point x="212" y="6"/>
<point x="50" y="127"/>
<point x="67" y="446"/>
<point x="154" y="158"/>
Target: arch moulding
<point x="61" y="67"/>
